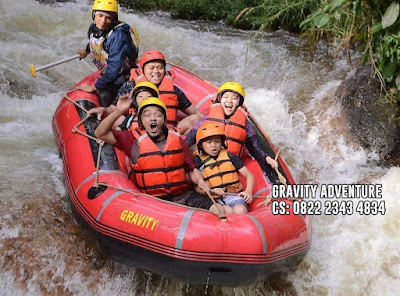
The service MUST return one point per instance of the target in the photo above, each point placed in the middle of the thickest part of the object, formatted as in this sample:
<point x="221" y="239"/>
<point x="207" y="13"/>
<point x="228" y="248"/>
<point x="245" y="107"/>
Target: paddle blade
<point x="33" y="70"/>
<point x="95" y="191"/>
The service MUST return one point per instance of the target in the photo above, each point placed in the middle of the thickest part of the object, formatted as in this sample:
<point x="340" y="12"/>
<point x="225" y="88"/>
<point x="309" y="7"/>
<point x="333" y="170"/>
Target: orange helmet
<point x="151" y="55"/>
<point x="209" y="130"/>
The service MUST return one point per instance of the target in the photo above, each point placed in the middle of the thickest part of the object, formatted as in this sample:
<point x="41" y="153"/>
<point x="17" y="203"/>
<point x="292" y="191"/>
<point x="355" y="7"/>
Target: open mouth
<point x="153" y="127"/>
<point x="228" y="107"/>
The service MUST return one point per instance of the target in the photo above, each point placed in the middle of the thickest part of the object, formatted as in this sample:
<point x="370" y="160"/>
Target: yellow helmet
<point x="231" y="86"/>
<point x="105" y="5"/>
<point x="151" y="102"/>
<point x="146" y="86"/>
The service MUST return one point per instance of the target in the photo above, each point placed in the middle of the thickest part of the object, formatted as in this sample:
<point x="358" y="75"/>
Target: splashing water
<point x="45" y="252"/>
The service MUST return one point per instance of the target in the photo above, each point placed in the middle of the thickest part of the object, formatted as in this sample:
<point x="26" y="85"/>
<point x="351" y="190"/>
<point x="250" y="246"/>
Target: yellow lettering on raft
<point x="139" y="219"/>
<point x="154" y="224"/>
<point x="123" y="215"/>
<point x="134" y="220"/>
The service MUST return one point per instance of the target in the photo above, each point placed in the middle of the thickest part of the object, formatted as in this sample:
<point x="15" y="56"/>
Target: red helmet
<point x="151" y="55"/>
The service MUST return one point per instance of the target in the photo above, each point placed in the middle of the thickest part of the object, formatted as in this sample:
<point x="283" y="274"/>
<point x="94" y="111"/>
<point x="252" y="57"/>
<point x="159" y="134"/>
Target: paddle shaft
<point x="33" y="70"/>
<point x="280" y="176"/>
<point x="58" y="62"/>
<point x="221" y="215"/>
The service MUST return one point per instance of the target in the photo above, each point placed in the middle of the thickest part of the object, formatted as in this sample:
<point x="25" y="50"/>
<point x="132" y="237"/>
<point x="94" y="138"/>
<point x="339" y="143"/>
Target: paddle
<point x="221" y="216"/>
<point x="280" y="176"/>
<point x="33" y="70"/>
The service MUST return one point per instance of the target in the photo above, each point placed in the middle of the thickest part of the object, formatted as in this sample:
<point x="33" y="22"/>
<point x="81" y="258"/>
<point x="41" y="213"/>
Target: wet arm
<point x="191" y="110"/>
<point x="197" y="178"/>
<point x="103" y="131"/>
<point x="249" y="178"/>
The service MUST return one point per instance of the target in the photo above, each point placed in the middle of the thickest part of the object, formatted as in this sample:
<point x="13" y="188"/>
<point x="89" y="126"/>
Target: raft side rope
<point x="101" y="144"/>
<point x="75" y="103"/>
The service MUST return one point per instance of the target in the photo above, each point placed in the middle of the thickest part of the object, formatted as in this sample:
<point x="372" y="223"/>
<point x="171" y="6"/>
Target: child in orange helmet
<point x="220" y="169"/>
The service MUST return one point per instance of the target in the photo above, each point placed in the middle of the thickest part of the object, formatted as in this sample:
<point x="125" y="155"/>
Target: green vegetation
<point x="370" y="26"/>
<point x="226" y="10"/>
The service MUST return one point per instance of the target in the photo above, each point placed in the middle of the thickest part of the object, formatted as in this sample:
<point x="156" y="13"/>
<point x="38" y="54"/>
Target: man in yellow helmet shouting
<point x="113" y="46"/>
<point x="160" y="158"/>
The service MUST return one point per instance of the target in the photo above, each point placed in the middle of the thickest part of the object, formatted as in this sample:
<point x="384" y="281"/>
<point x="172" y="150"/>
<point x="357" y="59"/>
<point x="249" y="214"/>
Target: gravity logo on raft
<point x="139" y="219"/>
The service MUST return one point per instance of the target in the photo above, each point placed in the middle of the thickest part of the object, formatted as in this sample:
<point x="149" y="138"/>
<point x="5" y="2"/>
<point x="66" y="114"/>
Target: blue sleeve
<point x="118" y="47"/>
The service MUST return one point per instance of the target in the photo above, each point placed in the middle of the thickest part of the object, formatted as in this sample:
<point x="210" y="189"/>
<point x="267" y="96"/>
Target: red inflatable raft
<point x="189" y="244"/>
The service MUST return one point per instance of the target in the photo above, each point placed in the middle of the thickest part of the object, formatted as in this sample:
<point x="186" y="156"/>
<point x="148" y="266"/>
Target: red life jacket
<point x="160" y="173"/>
<point x="235" y="126"/>
<point x="167" y="92"/>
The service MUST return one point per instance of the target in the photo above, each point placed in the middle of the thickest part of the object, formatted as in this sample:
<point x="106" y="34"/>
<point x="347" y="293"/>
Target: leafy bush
<point x="225" y="10"/>
<point x="370" y="26"/>
<point x="275" y="14"/>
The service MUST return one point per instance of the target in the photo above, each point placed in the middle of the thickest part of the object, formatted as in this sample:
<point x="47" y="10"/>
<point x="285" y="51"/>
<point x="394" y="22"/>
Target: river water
<point x="45" y="252"/>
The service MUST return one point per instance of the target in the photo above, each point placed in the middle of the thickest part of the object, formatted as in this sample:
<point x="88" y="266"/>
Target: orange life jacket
<point x="134" y="126"/>
<point x="235" y="126"/>
<point x="220" y="172"/>
<point x="167" y="92"/>
<point x="160" y="173"/>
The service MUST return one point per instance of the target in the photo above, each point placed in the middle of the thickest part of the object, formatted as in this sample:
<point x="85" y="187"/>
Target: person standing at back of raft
<point x="159" y="158"/>
<point x="113" y="46"/>
<point x="228" y="110"/>
<point x="153" y="69"/>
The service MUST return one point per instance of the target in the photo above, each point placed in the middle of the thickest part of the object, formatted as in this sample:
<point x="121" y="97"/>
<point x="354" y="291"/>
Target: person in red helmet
<point x="152" y="68"/>
<point x="114" y="47"/>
